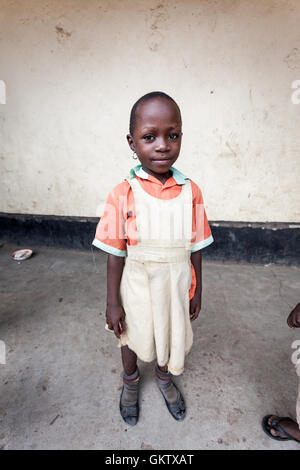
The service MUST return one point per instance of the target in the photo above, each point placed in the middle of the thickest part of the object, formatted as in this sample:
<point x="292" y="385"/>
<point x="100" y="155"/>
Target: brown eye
<point x="148" y="138"/>
<point x="174" y="136"/>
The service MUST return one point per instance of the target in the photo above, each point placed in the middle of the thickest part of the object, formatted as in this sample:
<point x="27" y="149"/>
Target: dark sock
<point x="131" y="388"/>
<point x="166" y="385"/>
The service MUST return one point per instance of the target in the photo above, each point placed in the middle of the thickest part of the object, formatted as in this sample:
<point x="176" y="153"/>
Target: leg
<point x="173" y="398"/>
<point x="166" y="386"/>
<point x="164" y="368"/>
<point x="129" y="359"/>
<point x="129" y="406"/>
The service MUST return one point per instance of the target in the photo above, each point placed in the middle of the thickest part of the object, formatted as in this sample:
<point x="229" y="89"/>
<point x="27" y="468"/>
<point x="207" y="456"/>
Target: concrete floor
<point x="61" y="383"/>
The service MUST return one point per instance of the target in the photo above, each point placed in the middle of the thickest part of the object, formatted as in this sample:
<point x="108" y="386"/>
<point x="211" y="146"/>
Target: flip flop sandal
<point x="130" y="414"/>
<point x="177" y="409"/>
<point x="275" y="425"/>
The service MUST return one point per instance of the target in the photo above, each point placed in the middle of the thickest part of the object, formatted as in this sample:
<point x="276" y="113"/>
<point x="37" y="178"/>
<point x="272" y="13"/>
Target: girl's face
<point x="157" y="134"/>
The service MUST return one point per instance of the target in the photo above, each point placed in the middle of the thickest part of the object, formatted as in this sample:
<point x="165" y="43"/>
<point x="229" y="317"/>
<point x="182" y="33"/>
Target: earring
<point x="134" y="156"/>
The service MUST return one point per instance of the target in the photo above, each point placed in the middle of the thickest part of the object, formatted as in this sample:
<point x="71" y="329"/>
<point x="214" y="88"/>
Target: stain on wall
<point x="74" y="69"/>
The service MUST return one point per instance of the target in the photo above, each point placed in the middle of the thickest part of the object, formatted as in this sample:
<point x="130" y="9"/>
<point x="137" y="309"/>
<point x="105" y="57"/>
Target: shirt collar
<point x="138" y="171"/>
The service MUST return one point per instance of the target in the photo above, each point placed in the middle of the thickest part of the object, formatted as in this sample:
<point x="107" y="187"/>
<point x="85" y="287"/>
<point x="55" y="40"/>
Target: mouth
<point x="162" y="160"/>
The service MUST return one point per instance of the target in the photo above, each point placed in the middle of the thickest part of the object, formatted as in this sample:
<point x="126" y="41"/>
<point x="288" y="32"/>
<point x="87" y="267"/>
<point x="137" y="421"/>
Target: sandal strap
<point x="275" y="425"/>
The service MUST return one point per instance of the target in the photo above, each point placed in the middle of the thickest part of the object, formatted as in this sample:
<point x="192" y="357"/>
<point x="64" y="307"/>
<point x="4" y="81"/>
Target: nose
<point x="162" y="145"/>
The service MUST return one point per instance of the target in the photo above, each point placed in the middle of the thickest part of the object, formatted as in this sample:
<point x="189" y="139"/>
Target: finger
<point x="116" y="330"/>
<point x="196" y="313"/>
<point x="293" y="323"/>
<point x="297" y="320"/>
<point x="193" y="316"/>
<point x="192" y="312"/>
<point x="121" y="326"/>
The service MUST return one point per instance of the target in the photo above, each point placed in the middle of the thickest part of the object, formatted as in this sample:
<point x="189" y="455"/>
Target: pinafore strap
<point x="164" y="226"/>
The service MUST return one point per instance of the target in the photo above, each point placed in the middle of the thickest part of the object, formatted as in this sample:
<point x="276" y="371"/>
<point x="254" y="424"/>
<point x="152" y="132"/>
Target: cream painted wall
<point x="73" y="69"/>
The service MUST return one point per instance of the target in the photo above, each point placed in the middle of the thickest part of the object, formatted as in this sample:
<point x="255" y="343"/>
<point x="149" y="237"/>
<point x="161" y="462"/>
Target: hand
<point x="294" y="317"/>
<point x="195" y="306"/>
<point x="115" y="318"/>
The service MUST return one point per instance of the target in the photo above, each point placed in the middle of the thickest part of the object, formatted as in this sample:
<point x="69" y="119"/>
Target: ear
<point x="130" y="142"/>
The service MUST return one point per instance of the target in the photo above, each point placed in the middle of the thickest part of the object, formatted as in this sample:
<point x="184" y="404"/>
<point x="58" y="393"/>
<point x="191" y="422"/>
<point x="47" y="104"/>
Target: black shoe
<point x="130" y="414"/>
<point x="177" y="408"/>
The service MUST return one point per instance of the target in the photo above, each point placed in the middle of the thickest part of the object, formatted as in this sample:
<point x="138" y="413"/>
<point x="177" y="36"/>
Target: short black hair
<point x="143" y="99"/>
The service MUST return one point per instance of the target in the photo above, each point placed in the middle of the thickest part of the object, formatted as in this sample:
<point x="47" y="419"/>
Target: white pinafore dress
<point x="156" y="279"/>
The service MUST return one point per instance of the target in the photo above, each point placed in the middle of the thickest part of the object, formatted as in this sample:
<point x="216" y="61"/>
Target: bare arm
<point x="115" y="314"/>
<point x="115" y="265"/>
<point x="195" y="302"/>
<point x="196" y="259"/>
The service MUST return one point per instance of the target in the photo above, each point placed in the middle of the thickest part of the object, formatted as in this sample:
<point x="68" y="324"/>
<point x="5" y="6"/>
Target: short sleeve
<point x="201" y="233"/>
<point x="110" y="232"/>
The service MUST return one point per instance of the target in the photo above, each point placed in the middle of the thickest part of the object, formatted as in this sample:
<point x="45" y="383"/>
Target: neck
<point x="162" y="177"/>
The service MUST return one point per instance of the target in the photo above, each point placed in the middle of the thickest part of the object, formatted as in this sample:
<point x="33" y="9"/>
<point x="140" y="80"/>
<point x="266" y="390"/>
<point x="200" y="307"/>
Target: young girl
<point x="153" y="228"/>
